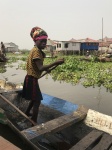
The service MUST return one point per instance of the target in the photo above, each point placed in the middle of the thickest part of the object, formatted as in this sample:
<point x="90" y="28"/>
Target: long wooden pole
<point x="48" y="72"/>
<point x="6" y="100"/>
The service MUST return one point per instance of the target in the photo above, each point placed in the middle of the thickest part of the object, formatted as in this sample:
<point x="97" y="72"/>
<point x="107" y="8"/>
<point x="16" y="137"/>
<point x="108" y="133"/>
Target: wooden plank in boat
<point x="55" y="124"/>
<point x="6" y="145"/>
<point x="99" y="121"/>
<point x="57" y="142"/>
<point x="88" y="140"/>
<point x="11" y="91"/>
<point x="3" y="118"/>
<point x="105" y="143"/>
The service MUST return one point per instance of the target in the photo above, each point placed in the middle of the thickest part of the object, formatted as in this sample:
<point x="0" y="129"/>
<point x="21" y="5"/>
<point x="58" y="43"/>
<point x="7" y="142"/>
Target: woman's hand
<point x="60" y="61"/>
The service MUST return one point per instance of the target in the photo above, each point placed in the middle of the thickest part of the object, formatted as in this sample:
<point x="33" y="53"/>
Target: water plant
<point x="75" y="70"/>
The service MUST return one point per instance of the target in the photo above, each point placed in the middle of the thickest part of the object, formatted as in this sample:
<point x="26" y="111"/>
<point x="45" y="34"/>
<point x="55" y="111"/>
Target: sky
<point x="61" y="19"/>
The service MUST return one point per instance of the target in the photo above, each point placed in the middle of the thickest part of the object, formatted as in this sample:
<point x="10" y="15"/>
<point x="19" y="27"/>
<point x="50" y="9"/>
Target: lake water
<point x="95" y="98"/>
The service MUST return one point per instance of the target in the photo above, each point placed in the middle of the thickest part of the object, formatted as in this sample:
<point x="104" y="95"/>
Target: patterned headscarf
<point x="37" y="34"/>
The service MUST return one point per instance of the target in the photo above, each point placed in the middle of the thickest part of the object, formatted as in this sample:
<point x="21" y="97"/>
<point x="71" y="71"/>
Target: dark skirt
<point x="31" y="90"/>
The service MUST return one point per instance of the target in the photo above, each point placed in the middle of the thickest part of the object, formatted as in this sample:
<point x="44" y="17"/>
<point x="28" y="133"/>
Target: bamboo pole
<point x="48" y="72"/>
<point x="24" y="115"/>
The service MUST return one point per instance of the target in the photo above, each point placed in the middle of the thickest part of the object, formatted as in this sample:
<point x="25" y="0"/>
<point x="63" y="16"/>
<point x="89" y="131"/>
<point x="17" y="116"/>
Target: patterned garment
<point x="32" y="68"/>
<point x="31" y="89"/>
<point x="37" y="34"/>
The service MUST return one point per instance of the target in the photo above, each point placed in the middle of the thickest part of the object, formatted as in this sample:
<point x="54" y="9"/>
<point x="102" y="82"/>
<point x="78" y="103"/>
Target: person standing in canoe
<point x="35" y="67"/>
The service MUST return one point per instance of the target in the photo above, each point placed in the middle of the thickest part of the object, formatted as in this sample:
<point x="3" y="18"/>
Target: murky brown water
<point x="95" y="98"/>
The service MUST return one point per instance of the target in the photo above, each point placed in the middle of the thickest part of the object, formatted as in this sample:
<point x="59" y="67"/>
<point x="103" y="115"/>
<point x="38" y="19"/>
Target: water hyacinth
<point x="75" y="70"/>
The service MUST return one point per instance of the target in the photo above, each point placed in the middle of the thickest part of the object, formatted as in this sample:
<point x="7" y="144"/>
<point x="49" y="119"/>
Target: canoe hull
<point x="61" y="124"/>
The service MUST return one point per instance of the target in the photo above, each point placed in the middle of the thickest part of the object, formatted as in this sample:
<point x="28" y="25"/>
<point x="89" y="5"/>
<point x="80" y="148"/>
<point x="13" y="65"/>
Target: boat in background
<point x="62" y="125"/>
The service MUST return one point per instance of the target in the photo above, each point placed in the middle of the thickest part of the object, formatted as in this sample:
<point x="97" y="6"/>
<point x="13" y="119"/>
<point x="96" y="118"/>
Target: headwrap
<point x="37" y="34"/>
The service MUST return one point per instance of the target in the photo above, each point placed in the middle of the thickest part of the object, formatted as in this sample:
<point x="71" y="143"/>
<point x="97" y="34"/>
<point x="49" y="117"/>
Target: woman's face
<point x="41" y="44"/>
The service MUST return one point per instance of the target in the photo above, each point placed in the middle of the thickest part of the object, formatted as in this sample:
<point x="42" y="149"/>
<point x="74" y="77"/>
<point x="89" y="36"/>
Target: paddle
<point x="6" y="100"/>
<point x="49" y="71"/>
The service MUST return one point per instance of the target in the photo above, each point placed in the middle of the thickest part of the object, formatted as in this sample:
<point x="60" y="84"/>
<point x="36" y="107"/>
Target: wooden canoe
<point x="6" y="145"/>
<point x="61" y="125"/>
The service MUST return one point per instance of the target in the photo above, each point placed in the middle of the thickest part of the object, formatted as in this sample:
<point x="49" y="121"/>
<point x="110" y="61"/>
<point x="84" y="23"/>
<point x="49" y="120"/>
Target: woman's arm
<point x="42" y="67"/>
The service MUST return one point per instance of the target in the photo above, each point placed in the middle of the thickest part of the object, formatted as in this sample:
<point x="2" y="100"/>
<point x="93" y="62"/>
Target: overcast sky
<point x="61" y="19"/>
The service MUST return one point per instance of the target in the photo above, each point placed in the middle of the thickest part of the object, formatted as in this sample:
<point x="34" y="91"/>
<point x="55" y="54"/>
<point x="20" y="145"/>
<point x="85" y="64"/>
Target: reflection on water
<point x="99" y="97"/>
<point x="7" y="73"/>
<point x="13" y="74"/>
<point x="94" y="98"/>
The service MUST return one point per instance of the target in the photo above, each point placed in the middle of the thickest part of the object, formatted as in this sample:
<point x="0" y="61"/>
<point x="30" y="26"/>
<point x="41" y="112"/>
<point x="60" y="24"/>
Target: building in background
<point x="68" y="47"/>
<point x="11" y="47"/>
<point x="50" y="45"/>
<point x="89" y="45"/>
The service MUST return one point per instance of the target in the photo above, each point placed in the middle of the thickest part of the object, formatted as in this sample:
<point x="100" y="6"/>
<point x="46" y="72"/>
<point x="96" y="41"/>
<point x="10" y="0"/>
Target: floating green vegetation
<point x="12" y="58"/>
<point x="22" y="66"/>
<point x="75" y="70"/>
<point x="88" y="73"/>
<point x="2" y="68"/>
<point x="23" y="58"/>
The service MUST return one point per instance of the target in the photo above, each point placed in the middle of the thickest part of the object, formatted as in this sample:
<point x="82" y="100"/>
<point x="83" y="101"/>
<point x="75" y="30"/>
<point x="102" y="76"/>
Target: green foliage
<point x="22" y="66"/>
<point x="88" y="73"/>
<point x="74" y="70"/>
<point x="2" y="68"/>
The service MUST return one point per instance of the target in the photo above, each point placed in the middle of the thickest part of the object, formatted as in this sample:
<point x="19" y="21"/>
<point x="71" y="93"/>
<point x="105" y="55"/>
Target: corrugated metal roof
<point x="88" y="40"/>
